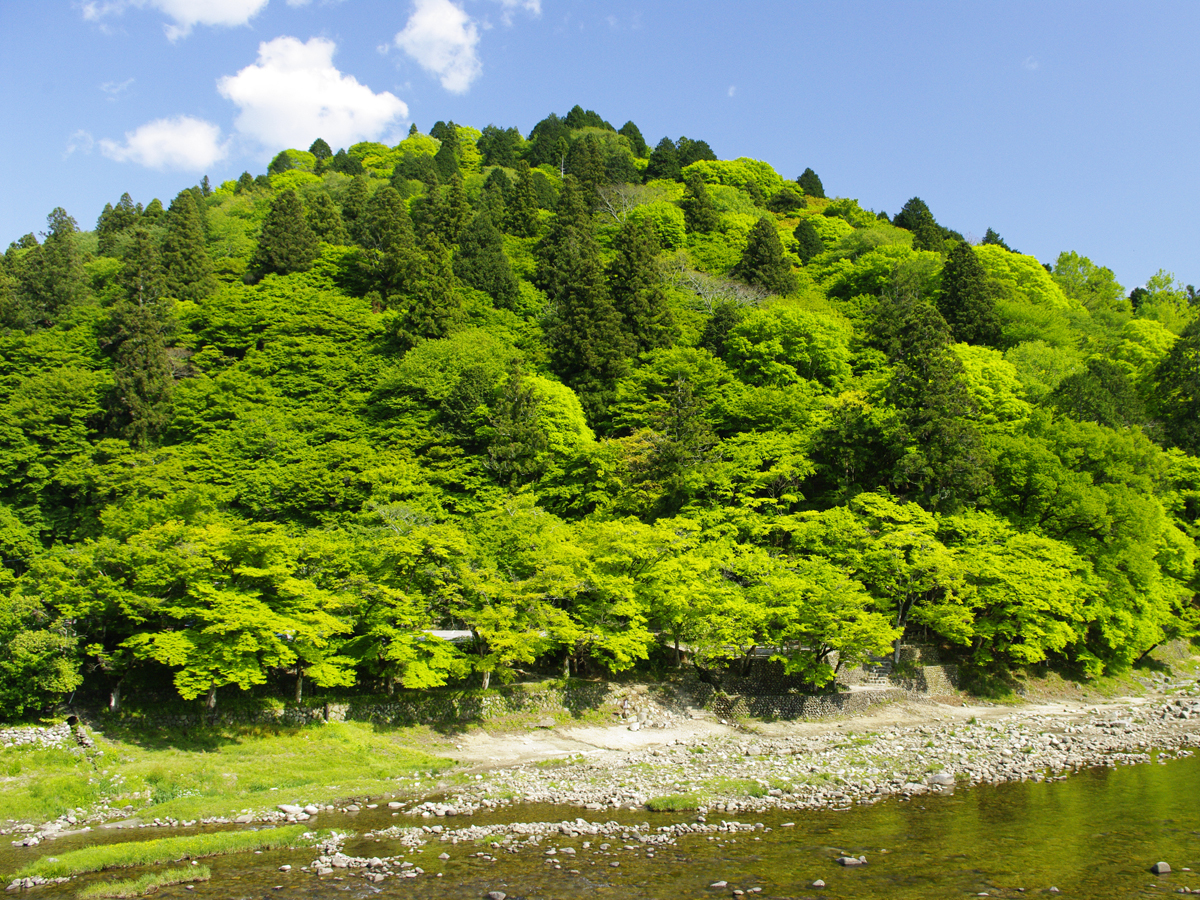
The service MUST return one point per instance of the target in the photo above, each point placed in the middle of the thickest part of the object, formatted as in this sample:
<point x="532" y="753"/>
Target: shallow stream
<point x="1093" y="836"/>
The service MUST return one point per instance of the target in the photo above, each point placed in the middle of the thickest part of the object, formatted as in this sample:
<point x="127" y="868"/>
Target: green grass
<point x="213" y="771"/>
<point x="673" y="803"/>
<point x="160" y="852"/>
<point x="734" y="787"/>
<point x="147" y="884"/>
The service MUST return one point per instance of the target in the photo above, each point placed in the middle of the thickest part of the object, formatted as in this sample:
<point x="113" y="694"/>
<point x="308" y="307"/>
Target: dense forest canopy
<point x="587" y="399"/>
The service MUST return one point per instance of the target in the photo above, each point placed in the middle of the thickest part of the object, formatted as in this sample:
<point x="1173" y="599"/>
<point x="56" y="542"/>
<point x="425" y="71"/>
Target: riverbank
<point x="656" y="758"/>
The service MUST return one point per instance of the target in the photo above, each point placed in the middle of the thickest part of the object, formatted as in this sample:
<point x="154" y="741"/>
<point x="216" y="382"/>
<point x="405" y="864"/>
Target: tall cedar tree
<point x="428" y="305"/>
<point x="494" y="197"/>
<point x="725" y="316"/>
<point x="136" y="335"/>
<point x="187" y="269"/>
<point x="114" y="222"/>
<point x="786" y="201"/>
<point x="522" y="213"/>
<point x="500" y="146"/>
<point x="1178" y="396"/>
<point x="586" y="162"/>
<point x="941" y="456"/>
<point x="916" y="217"/>
<point x="354" y="207"/>
<point x="693" y="151"/>
<point x="455" y="212"/>
<point x="811" y="184"/>
<point x="517" y="446"/>
<point x="50" y="277"/>
<point x="966" y="300"/>
<point x="699" y="214"/>
<point x="763" y="262"/>
<point x="637" y="289"/>
<point x="389" y="258"/>
<point x="286" y="243"/>
<point x="808" y="241"/>
<point x="588" y="346"/>
<point x="320" y="150"/>
<point x="325" y="219"/>
<point x="482" y="263"/>
<point x="446" y="158"/>
<point x="664" y="162"/>
<point x="637" y="143"/>
<point x="991" y="237"/>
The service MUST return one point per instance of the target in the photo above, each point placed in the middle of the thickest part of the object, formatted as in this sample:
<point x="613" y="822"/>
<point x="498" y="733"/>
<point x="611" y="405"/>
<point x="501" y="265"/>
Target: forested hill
<point x="587" y="400"/>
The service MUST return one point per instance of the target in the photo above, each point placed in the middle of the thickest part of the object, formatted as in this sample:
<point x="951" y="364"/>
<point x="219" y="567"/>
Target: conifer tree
<point x="588" y="346"/>
<point x="637" y="289"/>
<point x="811" y="184"/>
<point x="664" y="162"/>
<point x="245" y="183"/>
<point x="186" y="265"/>
<point x="50" y="278"/>
<point x="482" y="263"/>
<point x="725" y="316"/>
<point x="916" y="217"/>
<point x="136" y="334"/>
<point x="690" y="151"/>
<point x="763" y="262"/>
<point x="522" y="213"/>
<point x="390" y="254"/>
<point x="494" y="197"/>
<point x="429" y="304"/>
<point x="517" y="446"/>
<point x="114" y="221"/>
<point x="354" y="207"/>
<point x="446" y="158"/>
<point x="966" y="300"/>
<point x="320" y="150"/>
<point x="699" y="214"/>
<point x="286" y="243"/>
<point x="325" y="219"/>
<point x="1178" y="395"/>
<point x="586" y="163"/>
<point x="456" y="212"/>
<point x="809" y="243"/>
<point x="637" y="143"/>
<point x="991" y="237"/>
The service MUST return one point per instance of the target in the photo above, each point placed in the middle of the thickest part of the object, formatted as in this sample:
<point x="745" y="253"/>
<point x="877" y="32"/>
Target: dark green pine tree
<point x="725" y="316"/>
<point x="916" y="217"/>
<point x="811" y="184"/>
<point x="286" y="243"/>
<point x="13" y="314"/>
<point x="245" y="183"/>
<point x="521" y="217"/>
<point x="693" y="151"/>
<point x="664" y="162"/>
<point x="586" y="162"/>
<point x="136" y="335"/>
<point x="429" y="303"/>
<point x="114" y="222"/>
<point x="325" y="219"/>
<point x="991" y="237"/>
<point x="1177" y="399"/>
<point x="966" y="300"/>
<point x="494" y="196"/>
<point x="320" y="150"/>
<point x="763" y="262"/>
<point x="481" y="262"/>
<point x="500" y="146"/>
<point x="637" y="290"/>
<point x="809" y="243"/>
<point x="516" y="443"/>
<point x="941" y="457"/>
<point x="187" y="268"/>
<point x="637" y="143"/>
<point x="354" y="207"/>
<point x="50" y="277"/>
<point x="456" y="212"/>
<point x="1101" y="393"/>
<point x="588" y="346"/>
<point x="446" y="158"/>
<point x="389" y="255"/>
<point x="699" y="214"/>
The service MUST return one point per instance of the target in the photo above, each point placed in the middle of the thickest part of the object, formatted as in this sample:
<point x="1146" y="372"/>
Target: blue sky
<point x="1064" y="126"/>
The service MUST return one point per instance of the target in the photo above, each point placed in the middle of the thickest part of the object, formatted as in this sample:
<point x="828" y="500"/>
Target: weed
<point x="673" y="803"/>
<point x="147" y="884"/>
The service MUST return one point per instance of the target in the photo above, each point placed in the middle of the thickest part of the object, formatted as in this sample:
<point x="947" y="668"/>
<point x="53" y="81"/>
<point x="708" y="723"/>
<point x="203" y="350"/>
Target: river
<point x="1094" y="836"/>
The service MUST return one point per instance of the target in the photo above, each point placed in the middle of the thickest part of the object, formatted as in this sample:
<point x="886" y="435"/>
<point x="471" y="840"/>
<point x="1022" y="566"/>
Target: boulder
<point x="1161" y="868"/>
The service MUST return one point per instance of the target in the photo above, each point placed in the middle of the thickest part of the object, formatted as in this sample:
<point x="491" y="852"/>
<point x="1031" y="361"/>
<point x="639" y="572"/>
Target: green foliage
<point x="1178" y="395"/>
<point x="287" y="243"/>
<point x="966" y="301"/>
<point x="482" y="263"/>
<point x="811" y="184"/>
<point x="185" y="262"/>
<point x="808" y="241"/>
<point x="698" y="210"/>
<point x="763" y="262"/>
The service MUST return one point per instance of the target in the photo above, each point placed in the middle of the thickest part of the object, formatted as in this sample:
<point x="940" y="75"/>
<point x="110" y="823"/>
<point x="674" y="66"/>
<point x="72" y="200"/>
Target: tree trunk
<point x="678" y="660"/>
<point x="487" y="679"/>
<point x="299" y="684"/>
<point x="114" y="698"/>
<point x="211" y="701"/>
<point x="567" y="665"/>
<point x="391" y="685"/>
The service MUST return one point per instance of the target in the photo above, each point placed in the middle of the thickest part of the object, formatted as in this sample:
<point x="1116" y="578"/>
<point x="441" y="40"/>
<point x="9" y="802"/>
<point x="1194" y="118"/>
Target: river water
<point x="1093" y="836"/>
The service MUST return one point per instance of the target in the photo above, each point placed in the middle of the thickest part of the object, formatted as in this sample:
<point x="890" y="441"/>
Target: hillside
<point x="587" y="399"/>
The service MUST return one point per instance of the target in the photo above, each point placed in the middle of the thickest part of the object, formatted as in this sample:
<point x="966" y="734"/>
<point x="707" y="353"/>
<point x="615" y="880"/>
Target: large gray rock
<point x="1161" y="868"/>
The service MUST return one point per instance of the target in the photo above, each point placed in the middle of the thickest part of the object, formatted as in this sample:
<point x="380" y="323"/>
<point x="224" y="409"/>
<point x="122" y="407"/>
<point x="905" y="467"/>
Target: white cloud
<point x="114" y="88"/>
<point x="509" y="6"/>
<point x="1030" y="64"/>
<point x="81" y="141"/>
<point x="183" y="142"/>
<point x="732" y="89"/>
<point x="293" y="94"/>
<point x="186" y="13"/>
<point x="442" y="38"/>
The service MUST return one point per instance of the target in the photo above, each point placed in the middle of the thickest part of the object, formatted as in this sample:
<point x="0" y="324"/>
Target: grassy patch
<point x="673" y="803"/>
<point x="734" y="787"/>
<point x="147" y="884"/>
<point x="161" y="852"/>
<point x="197" y="772"/>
